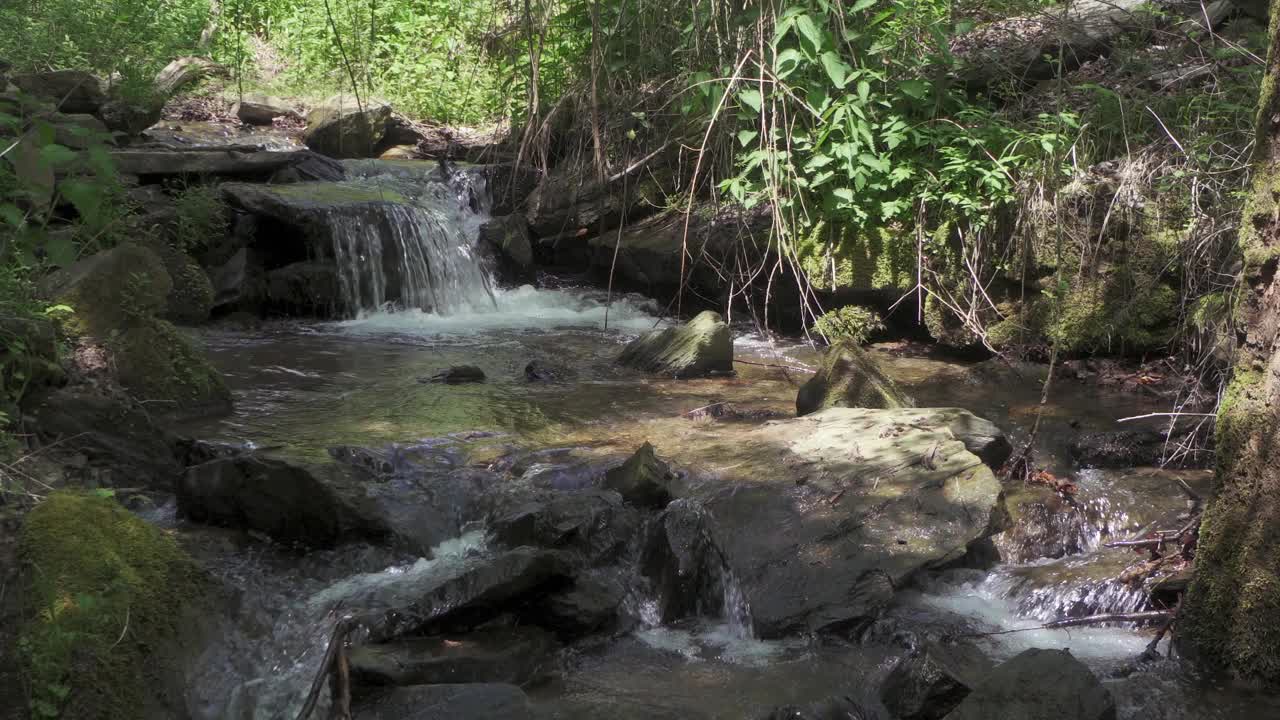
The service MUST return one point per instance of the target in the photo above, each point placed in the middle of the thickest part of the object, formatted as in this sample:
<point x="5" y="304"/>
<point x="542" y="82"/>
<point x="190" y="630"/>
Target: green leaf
<point x="862" y="5"/>
<point x="810" y="34"/>
<point x="751" y="98"/>
<point x="837" y="69"/>
<point x="917" y="89"/>
<point x="864" y="90"/>
<point x="787" y="62"/>
<point x="11" y="215"/>
<point x="746" y="137"/>
<point x="57" y="156"/>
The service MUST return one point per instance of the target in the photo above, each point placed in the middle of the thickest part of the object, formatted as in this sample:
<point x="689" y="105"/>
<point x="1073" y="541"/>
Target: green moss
<point x="156" y="363"/>
<point x="333" y="193"/>
<point x="105" y="589"/>
<point x="849" y="377"/>
<point x="1234" y="601"/>
<point x="852" y="322"/>
<point x="839" y="258"/>
<point x="107" y="290"/>
<point x="191" y="295"/>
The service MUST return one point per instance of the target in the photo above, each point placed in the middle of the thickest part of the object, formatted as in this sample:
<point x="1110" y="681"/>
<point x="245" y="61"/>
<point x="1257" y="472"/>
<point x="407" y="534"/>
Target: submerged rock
<point x="849" y="377"/>
<point x="700" y="347"/>
<point x="516" y="655"/>
<point x="473" y="701"/>
<point x="542" y="371"/>
<point x="1038" y="684"/>
<point x="456" y="375"/>
<point x="1121" y="448"/>
<point x="342" y="128"/>
<point x="642" y="480"/>
<point x="932" y="682"/>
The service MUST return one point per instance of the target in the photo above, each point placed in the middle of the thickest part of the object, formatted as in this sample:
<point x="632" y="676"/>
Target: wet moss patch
<point x="105" y="591"/>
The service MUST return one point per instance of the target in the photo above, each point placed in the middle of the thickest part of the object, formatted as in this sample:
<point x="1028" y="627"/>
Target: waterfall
<point x="413" y="251"/>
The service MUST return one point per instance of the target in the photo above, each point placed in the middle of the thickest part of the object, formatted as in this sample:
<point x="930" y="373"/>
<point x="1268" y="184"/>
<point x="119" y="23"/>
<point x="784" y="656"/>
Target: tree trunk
<point x="1231" y="620"/>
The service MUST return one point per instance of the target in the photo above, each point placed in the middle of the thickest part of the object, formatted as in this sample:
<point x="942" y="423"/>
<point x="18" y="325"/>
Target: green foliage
<point x="855" y="132"/>
<point x="131" y="38"/>
<point x="202" y="218"/>
<point x="854" y="323"/>
<point x="426" y="57"/>
<point x="107" y="589"/>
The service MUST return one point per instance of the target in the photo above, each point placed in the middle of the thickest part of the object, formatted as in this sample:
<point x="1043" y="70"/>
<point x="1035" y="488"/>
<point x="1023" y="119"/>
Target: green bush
<point x="854" y="323"/>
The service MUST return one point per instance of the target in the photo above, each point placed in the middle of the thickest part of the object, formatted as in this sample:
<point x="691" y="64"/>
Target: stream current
<point x="303" y="388"/>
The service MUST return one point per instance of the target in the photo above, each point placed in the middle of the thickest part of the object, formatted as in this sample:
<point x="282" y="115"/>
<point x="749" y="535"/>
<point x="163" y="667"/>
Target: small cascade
<point x="405" y="258"/>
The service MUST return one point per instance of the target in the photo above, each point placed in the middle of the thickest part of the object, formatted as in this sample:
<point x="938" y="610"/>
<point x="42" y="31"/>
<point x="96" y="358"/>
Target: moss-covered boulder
<point x="702" y="346"/>
<point x="190" y="299"/>
<point x="157" y="363"/>
<point x="110" y="289"/>
<point x="116" y="297"/>
<point x="849" y="377"/>
<point x="642" y="480"/>
<point x="106" y="593"/>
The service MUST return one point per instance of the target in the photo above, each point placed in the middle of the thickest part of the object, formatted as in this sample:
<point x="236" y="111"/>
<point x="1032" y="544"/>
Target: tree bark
<point x="1231" y="620"/>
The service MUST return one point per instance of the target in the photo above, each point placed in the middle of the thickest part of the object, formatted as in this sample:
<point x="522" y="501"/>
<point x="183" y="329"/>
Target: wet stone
<point x="473" y="701"/>
<point x="520" y="656"/>
<point x="642" y="480"/>
<point x="930" y="683"/>
<point x="1035" y="685"/>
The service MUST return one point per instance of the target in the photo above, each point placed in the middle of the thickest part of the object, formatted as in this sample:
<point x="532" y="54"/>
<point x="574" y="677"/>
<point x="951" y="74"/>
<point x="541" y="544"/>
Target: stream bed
<point x="304" y="388"/>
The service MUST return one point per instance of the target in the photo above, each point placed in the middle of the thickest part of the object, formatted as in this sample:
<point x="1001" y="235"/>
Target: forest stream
<point x="554" y="414"/>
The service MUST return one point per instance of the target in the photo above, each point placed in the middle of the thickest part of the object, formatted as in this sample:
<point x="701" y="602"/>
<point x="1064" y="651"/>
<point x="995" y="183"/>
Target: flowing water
<point x="428" y="304"/>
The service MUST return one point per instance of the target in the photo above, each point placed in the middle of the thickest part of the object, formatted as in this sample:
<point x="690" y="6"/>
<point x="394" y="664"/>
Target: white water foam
<point x="523" y="308"/>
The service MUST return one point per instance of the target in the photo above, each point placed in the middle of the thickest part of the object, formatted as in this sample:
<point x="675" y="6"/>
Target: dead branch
<point x="336" y="649"/>
<point x="1082" y="621"/>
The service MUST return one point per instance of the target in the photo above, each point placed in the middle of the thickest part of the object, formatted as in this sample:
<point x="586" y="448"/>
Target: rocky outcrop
<point x="247" y="162"/>
<point x="594" y="525"/>
<point x="841" y="707"/>
<point x="933" y="681"/>
<point x="642" y="480"/>
<point x="318" y="505"/>
<point x="72" y="91"/>
<point x="703" y="346"/>
<point x="849" y="491"/>
<point x="508" y="238"/>
<point x="261" y="109"/>
<point x="341" y="127"/>
<point x="423" y="597"/>
<point x="591" y="605"/>
<point x="1038" y="684"/>
<point x="570" y="202"/>
<point x="849" y="377"/>
<point x="307" y="288"/>
<point x="121" y="445"/>
<point x="473" y="701"/>
<point x="519" y="656"/>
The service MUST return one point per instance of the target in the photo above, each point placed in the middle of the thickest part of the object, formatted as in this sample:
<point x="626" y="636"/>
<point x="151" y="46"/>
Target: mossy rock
<point x="702" y="346"/>
<point x="342" y="128"/>
<point x="106" y="593"/>
<point x="945" y="327"/>
<point x="110" y="289"/>
<point x="190" y="299"/>
<point x="156" y="363"/>
<point x="849" y="377"/>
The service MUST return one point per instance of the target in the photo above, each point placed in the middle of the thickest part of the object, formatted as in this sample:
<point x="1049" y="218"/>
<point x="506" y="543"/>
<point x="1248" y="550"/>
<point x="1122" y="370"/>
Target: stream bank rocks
<point x="703" y="346"/>
<point x="1038" y="684"/>
<point x="519" y="655"/>
<point x="932" y="681"/>
<point x="467" y="701"/>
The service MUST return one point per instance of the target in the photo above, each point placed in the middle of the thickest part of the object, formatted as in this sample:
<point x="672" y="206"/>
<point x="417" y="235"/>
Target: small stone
<point x="456" y="375"/>
<point x="642" y="480"/>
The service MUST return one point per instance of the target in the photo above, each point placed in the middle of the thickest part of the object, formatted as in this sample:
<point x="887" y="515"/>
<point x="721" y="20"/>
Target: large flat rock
<point x="828" y="513"/>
